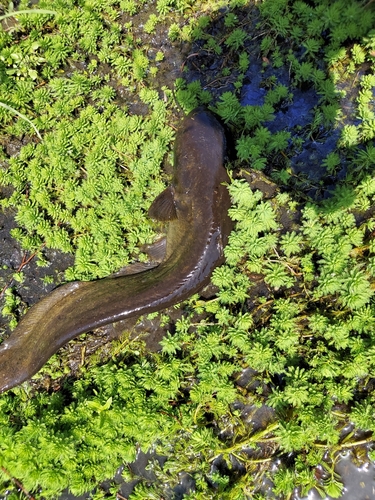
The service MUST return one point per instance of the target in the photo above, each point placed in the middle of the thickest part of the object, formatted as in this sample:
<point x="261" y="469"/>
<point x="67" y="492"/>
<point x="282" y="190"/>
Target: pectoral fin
<point x="163" y="208"/>
<point x="156" y="251"/>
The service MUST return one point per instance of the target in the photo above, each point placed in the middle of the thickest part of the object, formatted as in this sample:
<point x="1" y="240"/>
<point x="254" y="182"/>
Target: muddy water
<point x="359" y="481"/>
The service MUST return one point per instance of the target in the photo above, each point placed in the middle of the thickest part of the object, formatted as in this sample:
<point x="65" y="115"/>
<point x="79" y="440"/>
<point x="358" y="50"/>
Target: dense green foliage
<point x="70" y="187"/>
<point x="307" y="331"/>
<point x="71" y="192"/>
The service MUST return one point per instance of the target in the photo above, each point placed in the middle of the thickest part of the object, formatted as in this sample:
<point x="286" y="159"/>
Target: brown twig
<point x="118" y="495"/>
<point x="17" y="483"/>
<point x="25" y="260"/>
<point x="195" y="54"/>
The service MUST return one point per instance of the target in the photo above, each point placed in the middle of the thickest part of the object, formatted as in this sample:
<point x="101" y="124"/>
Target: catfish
<point x="195" y="208"/>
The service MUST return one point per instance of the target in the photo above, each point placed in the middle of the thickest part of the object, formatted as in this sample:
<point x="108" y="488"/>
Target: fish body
<point x="196" y="208"/>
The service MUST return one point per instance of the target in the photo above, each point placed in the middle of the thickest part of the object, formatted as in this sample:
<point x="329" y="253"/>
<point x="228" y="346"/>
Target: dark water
<point x="359" y="481"/>
<point x="295" y="116"/>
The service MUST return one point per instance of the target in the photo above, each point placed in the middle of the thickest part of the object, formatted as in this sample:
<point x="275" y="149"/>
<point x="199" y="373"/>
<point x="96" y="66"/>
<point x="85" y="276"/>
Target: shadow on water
<point x="296" y="116"/>
<point x="312" y="136"/>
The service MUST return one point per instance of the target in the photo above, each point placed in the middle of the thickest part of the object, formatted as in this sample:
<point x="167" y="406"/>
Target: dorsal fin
<point x="163" y="207"/>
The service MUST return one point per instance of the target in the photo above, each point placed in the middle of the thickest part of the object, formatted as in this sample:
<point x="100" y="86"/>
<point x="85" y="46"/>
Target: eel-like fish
<point x="196" y="208"/>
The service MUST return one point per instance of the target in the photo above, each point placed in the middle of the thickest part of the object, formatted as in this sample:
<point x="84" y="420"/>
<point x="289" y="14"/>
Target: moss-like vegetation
<point x="295" y="303"/>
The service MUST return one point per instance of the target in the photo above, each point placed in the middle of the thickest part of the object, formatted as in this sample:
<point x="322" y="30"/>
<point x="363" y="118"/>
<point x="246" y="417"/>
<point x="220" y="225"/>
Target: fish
<point x="194" y="208"/>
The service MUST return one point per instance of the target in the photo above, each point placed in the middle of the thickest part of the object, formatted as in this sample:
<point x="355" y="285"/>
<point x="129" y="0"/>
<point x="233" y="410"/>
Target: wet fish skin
<point x="196" y="208"/>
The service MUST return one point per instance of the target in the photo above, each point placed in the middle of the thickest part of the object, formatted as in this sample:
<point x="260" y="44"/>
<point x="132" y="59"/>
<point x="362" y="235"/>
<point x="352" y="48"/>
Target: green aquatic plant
<point x="295" y="296"/>
<point x="69" y="141"/>
<point x="236" y="39"/>
<point x="11" y="303"/>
